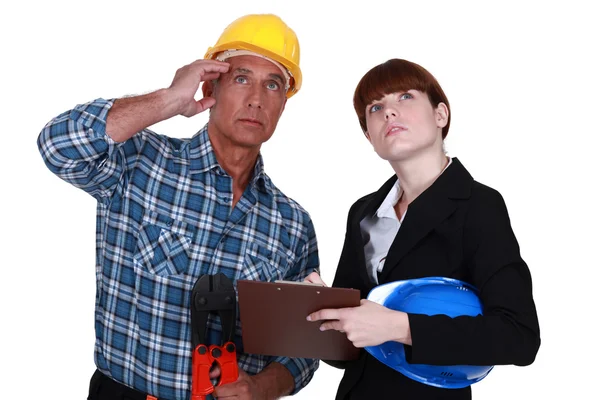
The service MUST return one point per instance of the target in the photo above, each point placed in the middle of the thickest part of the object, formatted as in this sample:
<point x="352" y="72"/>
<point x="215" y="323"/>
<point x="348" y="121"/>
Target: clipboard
<point x="273" y="317"/>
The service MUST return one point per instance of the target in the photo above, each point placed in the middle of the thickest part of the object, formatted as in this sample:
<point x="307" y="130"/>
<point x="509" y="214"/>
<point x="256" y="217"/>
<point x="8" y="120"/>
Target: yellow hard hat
<point x="268" y="36"/>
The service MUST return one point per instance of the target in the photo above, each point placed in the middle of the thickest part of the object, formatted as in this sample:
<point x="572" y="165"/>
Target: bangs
<point x="385" y="79"/>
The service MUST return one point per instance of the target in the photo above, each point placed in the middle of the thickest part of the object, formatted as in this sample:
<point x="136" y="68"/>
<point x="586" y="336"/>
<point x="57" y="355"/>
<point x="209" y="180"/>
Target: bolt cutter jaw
<point x="212" y="293"/>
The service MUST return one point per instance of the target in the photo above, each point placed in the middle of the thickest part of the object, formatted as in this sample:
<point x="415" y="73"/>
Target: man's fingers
<point x="315" y="278"/>
<point x="207" y="66"/>
<point x="196" y="107"/>
<point x="204" y="61"/>
<point x="242" y="374"/>
<point x="238" y="389"/>
<point x="205" y="103"/>
<point x="215" y="372"/>
<point x="210" y="76"/>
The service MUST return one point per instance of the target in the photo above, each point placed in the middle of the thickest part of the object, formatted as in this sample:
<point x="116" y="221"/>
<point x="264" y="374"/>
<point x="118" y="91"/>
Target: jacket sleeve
<point x="75" y="147"/>
<point x="346" y="275"/>
<point x="508" y="331"/>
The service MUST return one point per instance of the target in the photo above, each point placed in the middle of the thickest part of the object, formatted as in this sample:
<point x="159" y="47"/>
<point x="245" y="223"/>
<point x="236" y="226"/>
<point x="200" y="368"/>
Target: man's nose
<point x="255" y="98"/>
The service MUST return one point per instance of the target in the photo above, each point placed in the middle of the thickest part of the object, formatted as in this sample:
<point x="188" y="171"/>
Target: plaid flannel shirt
<point x="164" y="218"/>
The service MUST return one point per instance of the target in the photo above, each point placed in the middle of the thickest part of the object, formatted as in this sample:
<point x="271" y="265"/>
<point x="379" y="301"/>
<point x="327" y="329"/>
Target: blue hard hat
<point x="430" y="296"/>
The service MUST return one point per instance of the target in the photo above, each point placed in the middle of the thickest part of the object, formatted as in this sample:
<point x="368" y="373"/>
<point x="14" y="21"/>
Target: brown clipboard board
<point x="273" y="317"/>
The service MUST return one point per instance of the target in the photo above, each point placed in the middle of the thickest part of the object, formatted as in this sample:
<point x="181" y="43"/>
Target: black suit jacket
<point x="457" y="228"/>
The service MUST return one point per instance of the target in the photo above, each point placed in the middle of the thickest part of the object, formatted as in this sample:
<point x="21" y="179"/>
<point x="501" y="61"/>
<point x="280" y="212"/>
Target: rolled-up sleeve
<point x="75" y="147"/>
<point x="302" y="370"/>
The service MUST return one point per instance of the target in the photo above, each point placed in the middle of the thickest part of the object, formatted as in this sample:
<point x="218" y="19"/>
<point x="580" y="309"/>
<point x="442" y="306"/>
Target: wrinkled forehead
<point x="257" y="65"/>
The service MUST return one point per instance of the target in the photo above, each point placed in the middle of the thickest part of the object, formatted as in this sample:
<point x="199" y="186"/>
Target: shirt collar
<point x="386" y="209"/>
<point x="260" y="179"/>
<point x="202" y="155"/>
<point x="203" y="159"/>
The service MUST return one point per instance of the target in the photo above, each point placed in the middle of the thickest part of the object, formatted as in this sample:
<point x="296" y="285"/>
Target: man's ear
<point x="208" y="88"/>
<point x="441" y="115"/>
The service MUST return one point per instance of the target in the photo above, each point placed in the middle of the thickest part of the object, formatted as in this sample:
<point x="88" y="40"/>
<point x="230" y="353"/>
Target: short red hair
<point x="394" y="76"/>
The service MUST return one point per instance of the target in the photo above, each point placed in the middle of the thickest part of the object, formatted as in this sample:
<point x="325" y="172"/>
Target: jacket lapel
<point x="427" y="211"/>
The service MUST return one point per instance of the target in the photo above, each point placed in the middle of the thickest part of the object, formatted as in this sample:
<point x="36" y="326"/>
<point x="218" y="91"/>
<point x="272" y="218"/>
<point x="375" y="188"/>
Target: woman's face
<point x="405" y="124"/>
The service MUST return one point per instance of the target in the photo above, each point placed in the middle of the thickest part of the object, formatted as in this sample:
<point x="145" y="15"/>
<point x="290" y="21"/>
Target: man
<point x="172" y="210"/>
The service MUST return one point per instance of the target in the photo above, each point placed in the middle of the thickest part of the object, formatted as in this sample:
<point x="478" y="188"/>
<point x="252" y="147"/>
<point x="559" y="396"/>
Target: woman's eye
<point x="405" y="96"/>
<point x="375" y="108"/>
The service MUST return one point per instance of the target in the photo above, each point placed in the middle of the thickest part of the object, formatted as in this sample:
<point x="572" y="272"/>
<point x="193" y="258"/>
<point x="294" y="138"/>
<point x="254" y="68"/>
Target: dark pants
<point x="104" y="388"/>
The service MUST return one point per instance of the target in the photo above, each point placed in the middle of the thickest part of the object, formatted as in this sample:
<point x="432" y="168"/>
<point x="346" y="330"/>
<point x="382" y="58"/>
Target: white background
<point x="522" y="79"/>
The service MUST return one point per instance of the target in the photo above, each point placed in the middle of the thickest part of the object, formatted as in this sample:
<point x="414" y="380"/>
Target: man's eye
<point x="272" y="86"/>
<point x="241" y="79"/>
<point x="405" y="96"/>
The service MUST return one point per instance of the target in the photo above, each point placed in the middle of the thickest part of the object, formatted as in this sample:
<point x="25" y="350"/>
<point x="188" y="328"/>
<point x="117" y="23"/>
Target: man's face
<point x="250" y="98"/>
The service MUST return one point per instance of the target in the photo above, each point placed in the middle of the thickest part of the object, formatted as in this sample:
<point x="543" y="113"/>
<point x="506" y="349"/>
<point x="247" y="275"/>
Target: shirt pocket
<point x="163" y="244"/>
<point x="261" y="264"/>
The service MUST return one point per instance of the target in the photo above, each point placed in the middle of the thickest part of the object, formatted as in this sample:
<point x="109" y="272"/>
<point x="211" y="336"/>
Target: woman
<point x="429" y="219"/>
